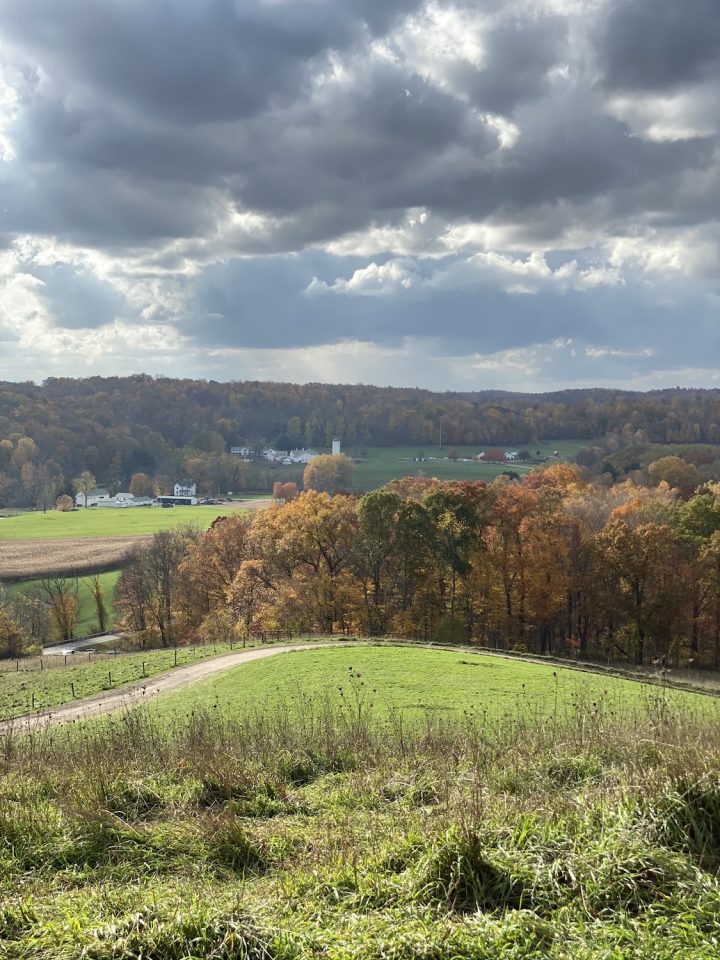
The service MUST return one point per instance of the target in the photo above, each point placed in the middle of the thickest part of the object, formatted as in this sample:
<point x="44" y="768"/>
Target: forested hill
<point x="119" y="425"/>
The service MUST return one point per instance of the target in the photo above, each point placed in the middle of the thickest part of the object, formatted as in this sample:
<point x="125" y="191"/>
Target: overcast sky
<point x="522" y="194"/>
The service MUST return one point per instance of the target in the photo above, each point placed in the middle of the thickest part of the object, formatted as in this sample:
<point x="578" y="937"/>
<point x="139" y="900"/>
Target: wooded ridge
<point x="118" y="426"/>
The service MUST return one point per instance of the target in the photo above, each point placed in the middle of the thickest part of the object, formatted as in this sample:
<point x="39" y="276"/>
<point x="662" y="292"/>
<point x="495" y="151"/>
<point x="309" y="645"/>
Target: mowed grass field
<point x="382" y="679"/>
<point x="87" y="622"/>
<point x="416" y="682"/>
<point x="96" y="523"/>
<point x="376" y="466"/>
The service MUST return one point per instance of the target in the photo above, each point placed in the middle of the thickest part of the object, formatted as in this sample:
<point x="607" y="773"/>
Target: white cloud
<point x="601" y="353"/>
<point x="529" y="275"/>
<point x="693" y="252"/>
<point x="385" y="280"/>
<point x="685" y="115"/>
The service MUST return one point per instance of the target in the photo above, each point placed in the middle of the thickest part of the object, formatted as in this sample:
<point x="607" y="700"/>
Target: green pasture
<point x="376" y="466"/>
<point x="104" y="522"/>
<point x="530" y="813"/>
<point x="381" y="679"/>
<point x="87" y="622"/>
<point x="88" y="673"/>
<point x="414" y="681"/>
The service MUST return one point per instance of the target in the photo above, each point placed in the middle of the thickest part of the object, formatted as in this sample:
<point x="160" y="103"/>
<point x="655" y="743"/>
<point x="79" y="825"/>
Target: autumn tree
<point x="329" y="474"/>
<point x="676" y="472"/>
<point x="61" y="595"/>
<point x="13" y="640"/>
<point x="209" y="567"/>
<point x="97" y="593"/>
<point x="64" y="503"/>
<point x="148" y="589"/>
<point x="85" y="484"/>
<point x="251" y="597"/>
<point x="284" y="491"/>
<point x="306" y="547"/>
<point x="140" y="485"/>
<point x="641" y="562"/>
<point x="377" y="556"/>
<point x="457" y="512"/>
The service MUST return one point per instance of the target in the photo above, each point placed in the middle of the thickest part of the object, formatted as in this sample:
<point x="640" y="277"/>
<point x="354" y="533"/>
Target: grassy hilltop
<point x="561" y="823"/>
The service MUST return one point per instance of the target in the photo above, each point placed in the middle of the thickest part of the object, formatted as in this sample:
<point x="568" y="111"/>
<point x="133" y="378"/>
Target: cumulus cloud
<point x="182" y="182"/>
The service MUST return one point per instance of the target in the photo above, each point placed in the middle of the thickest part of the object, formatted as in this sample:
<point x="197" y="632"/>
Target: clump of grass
<point x="688" y="819"/>
<point x="462" y="873"/>
<point x="230" y="845"/>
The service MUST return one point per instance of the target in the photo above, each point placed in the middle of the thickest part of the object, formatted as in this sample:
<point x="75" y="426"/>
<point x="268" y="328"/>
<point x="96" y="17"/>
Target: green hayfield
<point x="101" y="522"/>
<point x="414" y="681"/>
<point x="87" y="612"/>
<point x="376" y="466"/>
<point x="379" y="465"/>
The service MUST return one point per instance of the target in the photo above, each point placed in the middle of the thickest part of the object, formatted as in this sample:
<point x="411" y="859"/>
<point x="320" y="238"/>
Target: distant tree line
<point x="165" y="428"/>
<point x="549" y="564"/>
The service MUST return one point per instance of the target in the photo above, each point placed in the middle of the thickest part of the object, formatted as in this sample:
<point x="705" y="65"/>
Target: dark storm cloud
<point x="520" y="55"/>
<point x="193" y="62"/>
<point x="152" y="117"/>
<point x="659" y="44"/>
<point x="142" y="126"/>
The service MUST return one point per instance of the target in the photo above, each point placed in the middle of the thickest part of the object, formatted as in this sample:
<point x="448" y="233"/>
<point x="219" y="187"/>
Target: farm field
<point x="342" y="831"/>
<point x="414" y="681"/>
<point x="376" y="466"/>
<point x="86" y="623"/>
<point x="95" y="522"/>
<point x="24" y="560"/>
<point x="379" y="465"/>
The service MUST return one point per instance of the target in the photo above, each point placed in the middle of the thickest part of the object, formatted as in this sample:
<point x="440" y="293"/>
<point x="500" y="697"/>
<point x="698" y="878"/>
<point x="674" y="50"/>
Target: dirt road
<point x="63" y="649"/>
<point x="147" y="689"/>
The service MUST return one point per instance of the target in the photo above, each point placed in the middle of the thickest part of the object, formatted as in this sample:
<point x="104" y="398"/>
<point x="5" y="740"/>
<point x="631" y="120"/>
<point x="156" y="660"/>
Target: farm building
<point x="185" y="488"/>
<point x="98" y="495"/>
<point x="301" y="456"/>
<point x="123" y="500"/>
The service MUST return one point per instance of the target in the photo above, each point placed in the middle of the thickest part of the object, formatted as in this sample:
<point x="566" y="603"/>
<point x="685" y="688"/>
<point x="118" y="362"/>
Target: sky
<point x="513" y="194"/>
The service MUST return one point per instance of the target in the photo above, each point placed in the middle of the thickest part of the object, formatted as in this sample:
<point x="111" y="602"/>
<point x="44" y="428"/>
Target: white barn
<point x="98" y="495"/>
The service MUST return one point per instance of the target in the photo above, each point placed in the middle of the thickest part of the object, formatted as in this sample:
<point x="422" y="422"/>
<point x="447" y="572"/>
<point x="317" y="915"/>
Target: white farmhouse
<point x="245" y="452"/>
<point x="185" y="488"/>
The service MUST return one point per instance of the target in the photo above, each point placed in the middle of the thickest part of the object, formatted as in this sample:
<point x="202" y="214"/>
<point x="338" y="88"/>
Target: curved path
<point x="64" y="649"/>
<point x="135" y="693"/>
